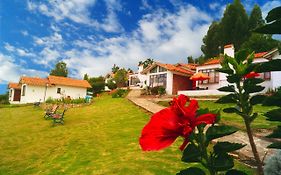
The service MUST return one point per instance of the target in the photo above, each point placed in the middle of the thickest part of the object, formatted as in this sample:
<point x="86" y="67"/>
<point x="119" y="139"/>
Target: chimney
<point x="229" y="50"/>
<point x="140" y="68"/>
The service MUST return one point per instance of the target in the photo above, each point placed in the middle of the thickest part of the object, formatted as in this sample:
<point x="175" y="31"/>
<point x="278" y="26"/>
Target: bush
<point x="119" y="93"/>
<point x="157" y="90"/>
<point x="4" y="99"/>
<point x="97" y="84"/>
<point x="272" y="164"/>
<point x="161" y="90"/>
<point x="111" y="84"/>
<point x="50" y="100"/>
<point x="66" y="100"/>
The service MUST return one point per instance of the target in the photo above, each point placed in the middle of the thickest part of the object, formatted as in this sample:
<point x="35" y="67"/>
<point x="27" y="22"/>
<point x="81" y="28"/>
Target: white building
<point x="218" y="79"/>
<point x="34" y="89"/>
<point x="173" y="77"/>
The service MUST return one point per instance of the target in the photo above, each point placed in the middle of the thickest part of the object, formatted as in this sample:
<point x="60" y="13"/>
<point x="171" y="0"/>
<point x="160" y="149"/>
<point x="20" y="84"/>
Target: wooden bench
<point x="51" y="111"/>
<point x="59" y="118"/>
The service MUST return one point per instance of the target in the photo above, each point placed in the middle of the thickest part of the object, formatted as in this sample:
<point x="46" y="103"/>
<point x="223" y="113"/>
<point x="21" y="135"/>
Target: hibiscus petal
<point x="190" y="110"/>
<point x="161" y="131"/>
<point x="206" y="118"/>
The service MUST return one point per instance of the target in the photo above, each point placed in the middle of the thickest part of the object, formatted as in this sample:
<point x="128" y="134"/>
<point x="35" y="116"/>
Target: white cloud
<point x="24" y="33"/>
<point x="78" y="11"/>
<point x="269" y="6"/>
<point x="11" y="72"/>
<point x="50" y="41"/>
<point x="173" y="37"/>
<point x="9" y="47"/>
<point x="145" y="5"/>
<point x="214" y="6"/>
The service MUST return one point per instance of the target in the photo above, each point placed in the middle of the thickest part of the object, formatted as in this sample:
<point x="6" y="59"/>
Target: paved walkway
<point x="245" y="154"/>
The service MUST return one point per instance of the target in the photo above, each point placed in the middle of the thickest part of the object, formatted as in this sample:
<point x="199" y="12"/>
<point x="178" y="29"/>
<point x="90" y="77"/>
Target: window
<point x="158" y="80"/>
<point x="58" y="90"/>
<point x="162" y="69"/>
<point x="154" y="70"/>
<point x="214" y="76"/>
<point x="23" y="90"/>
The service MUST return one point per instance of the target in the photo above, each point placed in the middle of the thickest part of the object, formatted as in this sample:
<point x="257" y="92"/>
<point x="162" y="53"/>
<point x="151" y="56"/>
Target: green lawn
<point x="97" y="139"/>
<point x="235" y="120"/>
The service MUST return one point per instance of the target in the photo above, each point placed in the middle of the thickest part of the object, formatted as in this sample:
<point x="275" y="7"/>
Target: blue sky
<point x="92" y="35"/>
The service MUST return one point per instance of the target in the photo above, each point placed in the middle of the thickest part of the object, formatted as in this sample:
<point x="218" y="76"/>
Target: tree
<point x="86" y="77"/>
<point x="97" y="84"/>
<point x="190" y="59"/>
<point x="212" y="41"/>
<point x="255" y="19"/>
<point x="115" y="68"/>
<point x="60" y="70"/>
<point x="260" y="43"/>
<point x="234" y="25"/>
<point x="121" y="78"/>
<point x="146" y="63"/>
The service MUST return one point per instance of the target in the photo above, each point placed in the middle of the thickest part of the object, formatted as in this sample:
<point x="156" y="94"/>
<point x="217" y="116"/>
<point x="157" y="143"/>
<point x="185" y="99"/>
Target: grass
<point x="232" y="119"/>
<point x="97" y="139"/>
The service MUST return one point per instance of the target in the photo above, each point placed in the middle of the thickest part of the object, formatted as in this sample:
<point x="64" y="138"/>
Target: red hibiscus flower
<point x="177" y="120"/>
<point x="252" y="75"/>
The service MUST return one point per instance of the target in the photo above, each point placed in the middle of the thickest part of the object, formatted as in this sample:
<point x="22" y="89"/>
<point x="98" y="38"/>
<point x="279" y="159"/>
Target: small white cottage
<point x="34" y="89"/>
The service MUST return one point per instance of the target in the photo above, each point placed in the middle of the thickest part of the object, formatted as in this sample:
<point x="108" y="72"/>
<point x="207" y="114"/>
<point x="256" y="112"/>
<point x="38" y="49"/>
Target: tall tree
<point x="260" y="43"/>
<point x="234" y="25"/>
<point x="255" y="19"/>
<point x="190" y="59"/>
<point x="121" y="77"/>
<point x="147" y="62"/>
<point x="97" y="84"/>
<point x="60" y="70"/>
<point x="86" y="77"/>
<point x="115" y="68"/>
<point x="212" y="41"/>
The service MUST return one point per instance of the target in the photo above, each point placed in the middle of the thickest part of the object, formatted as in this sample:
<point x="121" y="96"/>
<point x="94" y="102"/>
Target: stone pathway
<point x="245" y="154"/>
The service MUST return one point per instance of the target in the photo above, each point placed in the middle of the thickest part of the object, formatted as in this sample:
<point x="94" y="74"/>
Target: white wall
<point x="32" y="94"/>
<point x="169" y="85"/>
<point x="11" y="94"/>
<point x="39" y="93"/>
<point x="73" y="92"/>
<point x="276" y="76"/>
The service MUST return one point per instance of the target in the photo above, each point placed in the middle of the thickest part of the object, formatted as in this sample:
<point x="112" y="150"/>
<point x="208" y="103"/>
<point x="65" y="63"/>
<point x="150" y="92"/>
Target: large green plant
<point x="244" y="91"/>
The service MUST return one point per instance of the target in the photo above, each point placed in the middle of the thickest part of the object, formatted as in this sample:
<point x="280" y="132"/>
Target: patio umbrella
<point x="199" y="76"/>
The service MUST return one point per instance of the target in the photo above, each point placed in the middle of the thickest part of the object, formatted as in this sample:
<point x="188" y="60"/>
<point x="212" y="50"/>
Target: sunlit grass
<point x="97" y="139"/>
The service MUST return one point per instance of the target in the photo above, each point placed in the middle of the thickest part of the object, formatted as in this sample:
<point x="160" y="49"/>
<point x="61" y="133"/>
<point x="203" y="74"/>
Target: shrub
<point x="111" y="84"/>
<point x="272" y="164"/>
<point x="4" y="99"/>
<point x="161" y="90"/>
<point x="119" y="93"/>
<point x="157" y="90"/>
<point x="50" y="100"/>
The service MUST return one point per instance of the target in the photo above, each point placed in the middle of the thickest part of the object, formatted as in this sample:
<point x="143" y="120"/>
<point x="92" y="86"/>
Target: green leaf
<point x="222" y="162"/>
<point x="192" y="171"/>
<point x="225" y="70"/>
<point x="191" y="154"/>
<point x="230" y="98"/>
<point x="235" y="172"/>
<point x="229" y="88"/>
<point x="241" y="55"/>
<point x="224" y="147"/>
<point x="233" y="78"/>
<point x="273" y="14"/>
<point x="251" y="81"/>
<point x="276" y="133"/>
<point x="274" y="115"/>
<point x="272" y="65"/>
<point x="276" y="145"/>
<point x="214" y="132"/>
<point x="274" y="100"/>
<point x="257" y="99"/>
<point x="231" y="110"/>
<point x="253" y="89"/>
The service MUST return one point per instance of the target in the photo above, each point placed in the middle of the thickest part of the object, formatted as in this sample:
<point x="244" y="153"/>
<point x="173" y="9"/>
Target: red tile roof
<point x="181" y="68"/>
<point x="68" y="81"/>
<point x="55" y="80"/>
<point x="218" y="60"/>
<point x="14" y="85"/>
<point x="34" y="81"/>
<point x="228" y="46"/>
